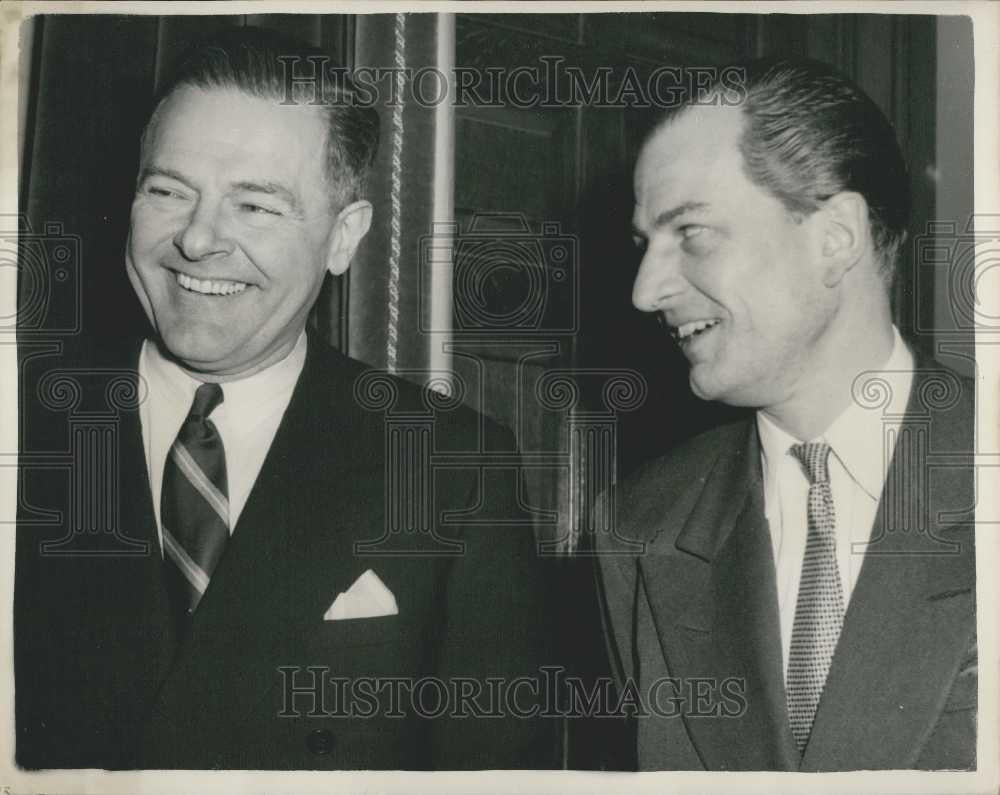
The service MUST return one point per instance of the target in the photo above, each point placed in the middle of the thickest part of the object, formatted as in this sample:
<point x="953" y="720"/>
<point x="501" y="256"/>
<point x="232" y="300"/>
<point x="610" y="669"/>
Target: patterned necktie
<point x="819" y="610"/>
<point x="194" y="505"/>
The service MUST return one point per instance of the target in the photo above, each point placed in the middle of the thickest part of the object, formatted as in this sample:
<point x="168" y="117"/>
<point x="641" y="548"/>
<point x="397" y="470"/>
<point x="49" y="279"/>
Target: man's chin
<point x="732" y="393"/>
<point x="703" y="385"/>
<point x="199" y="356"/>
<point x="709" y="386"/>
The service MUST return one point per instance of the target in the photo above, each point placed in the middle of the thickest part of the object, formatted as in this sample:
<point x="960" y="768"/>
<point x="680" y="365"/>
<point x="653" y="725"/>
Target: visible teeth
<point x="208" y="287"/>
<point x="683" y="332"/>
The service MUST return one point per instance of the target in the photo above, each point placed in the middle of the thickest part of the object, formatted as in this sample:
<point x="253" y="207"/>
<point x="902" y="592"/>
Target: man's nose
<point x="658" y="280"/>
<point x="201" y="236"/>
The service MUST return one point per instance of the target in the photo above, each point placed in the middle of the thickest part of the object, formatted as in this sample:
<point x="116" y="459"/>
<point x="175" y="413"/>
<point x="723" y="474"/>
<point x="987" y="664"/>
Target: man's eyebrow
<point x="158" y="171"/>
<point x="667" y="216"/>
<point x="268" y="187"/>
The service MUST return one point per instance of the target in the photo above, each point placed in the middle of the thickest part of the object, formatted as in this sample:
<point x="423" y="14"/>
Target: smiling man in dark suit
<point x="807" y="563"/>
<point x="252" y="609"/>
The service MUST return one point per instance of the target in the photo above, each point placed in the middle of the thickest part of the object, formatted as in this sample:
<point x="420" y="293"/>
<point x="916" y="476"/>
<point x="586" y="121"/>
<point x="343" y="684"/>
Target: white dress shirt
<point x="247" y="418"/>
<point x="858" y="465"/>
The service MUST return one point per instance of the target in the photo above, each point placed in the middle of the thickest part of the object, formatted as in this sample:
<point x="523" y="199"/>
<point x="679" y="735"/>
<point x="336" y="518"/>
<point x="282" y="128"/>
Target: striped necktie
<point x="194" y="505"/>
<point x="819" y="609"/>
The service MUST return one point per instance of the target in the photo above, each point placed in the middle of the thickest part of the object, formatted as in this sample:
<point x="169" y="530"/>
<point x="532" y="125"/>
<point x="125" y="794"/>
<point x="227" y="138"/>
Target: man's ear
<point x="351" y="225"/>
<point x="846" y="234"/>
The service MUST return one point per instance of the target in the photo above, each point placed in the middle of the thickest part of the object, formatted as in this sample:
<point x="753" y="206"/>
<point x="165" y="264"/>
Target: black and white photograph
<point x="599" y="390"/>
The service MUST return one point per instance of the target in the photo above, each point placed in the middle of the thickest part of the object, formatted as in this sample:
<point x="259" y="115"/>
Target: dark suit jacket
<point x="101" y="680"/>
<point x="700" y="602"/>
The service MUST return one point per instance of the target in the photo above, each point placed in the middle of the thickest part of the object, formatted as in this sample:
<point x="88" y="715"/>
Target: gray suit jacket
<point x="698" y="603"/>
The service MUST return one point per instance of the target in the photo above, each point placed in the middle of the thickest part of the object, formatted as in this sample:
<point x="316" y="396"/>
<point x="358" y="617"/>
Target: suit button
<point x="320" y="741"/>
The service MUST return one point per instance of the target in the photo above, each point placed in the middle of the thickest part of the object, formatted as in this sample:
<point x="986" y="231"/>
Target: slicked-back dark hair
<point x="811" y="133"/>
<point x="260" y="63"/>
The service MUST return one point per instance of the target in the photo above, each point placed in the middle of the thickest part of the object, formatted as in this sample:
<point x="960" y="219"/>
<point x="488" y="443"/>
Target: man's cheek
<point x="141" y="239"/>
<point x="144" y="216"/>
<point x="152" y="224"/>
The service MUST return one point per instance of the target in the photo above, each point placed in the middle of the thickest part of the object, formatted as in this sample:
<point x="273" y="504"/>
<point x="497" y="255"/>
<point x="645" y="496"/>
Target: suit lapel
<point x="714" y="602"/>
<point x="138" y="521"/>
<point x="120" y="598"/>
<point x="285" y="561"/>
<point x="911" y="617"/>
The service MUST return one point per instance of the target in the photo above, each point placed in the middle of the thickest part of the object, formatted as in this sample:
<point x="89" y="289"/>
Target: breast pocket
<point x="381" y="648"/>
<point x="353" y="632"/>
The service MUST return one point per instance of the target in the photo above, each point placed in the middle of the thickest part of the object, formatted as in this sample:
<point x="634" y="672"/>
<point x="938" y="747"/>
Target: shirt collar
<point x="248" y="399"/>
<point x="774" y="445"/>
<point x="852" y="434"/>
<point x="857" y="435"/>
<point x="166" y="379"/>
<point x="245" y="400"/>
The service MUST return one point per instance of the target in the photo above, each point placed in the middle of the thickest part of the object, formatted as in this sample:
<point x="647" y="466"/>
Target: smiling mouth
<point x="220" y="287"/>
<point x="687" y="332"/>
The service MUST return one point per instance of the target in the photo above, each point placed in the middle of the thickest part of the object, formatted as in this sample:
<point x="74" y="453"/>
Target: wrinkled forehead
<point x="233" y="115"/>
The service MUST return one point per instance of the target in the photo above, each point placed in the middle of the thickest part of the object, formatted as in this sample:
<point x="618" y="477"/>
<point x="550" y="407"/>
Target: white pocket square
<point x="366" y="598"/>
